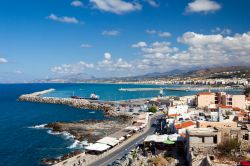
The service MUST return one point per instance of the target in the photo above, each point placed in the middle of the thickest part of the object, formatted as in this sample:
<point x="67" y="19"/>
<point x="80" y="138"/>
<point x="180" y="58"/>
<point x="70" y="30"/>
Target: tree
<point x="247" y="91"/>
<point x="152" y="109"/>
<point x="227" y="146"/>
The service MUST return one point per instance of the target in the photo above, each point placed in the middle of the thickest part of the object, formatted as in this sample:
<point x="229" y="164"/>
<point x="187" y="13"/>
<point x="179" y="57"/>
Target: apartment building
<point x="205" y="99"/>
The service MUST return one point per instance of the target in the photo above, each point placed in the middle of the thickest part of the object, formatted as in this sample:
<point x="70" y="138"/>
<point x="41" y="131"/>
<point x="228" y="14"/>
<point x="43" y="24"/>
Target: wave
<point x="65" y="134"/>
<point x="53" y="133"/>
<point x="41" y="126"/>
<point x="92" y="112"/>
<point x="78" y="144"/>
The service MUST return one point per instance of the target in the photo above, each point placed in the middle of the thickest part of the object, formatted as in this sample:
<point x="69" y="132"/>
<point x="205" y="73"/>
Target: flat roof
<point x="97" y="147"/>
<point x="109" y="141"/>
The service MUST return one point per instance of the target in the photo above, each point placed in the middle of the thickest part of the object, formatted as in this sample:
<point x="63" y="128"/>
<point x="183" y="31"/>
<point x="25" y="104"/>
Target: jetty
<point x="77" y="103"/>
<point x="153" y="89"/>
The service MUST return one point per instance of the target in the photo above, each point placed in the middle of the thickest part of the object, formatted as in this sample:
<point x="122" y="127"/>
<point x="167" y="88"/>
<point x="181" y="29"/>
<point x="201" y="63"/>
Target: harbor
<point x="194" y="88"/>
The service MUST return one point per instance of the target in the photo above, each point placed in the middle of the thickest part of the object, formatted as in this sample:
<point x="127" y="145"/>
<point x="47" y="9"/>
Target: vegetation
<point x="228" y="146"/>
<point x="247" y="91"/>
<point x="157" y="161"/>
<point x="152" y="109"/>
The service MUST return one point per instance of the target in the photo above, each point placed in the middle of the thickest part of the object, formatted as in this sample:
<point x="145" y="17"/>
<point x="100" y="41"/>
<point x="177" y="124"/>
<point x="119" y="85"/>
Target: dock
<point x="153" y="89"/>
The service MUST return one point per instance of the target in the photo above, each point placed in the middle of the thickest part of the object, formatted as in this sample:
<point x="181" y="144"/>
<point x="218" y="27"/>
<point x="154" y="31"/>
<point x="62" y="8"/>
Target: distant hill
<point x="199" y="72"/>
<point x="80" y="77"/>
<point x="228" y="70"/>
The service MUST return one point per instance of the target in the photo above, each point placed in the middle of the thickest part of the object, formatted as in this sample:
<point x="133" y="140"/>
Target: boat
<point x="92" y="96"/>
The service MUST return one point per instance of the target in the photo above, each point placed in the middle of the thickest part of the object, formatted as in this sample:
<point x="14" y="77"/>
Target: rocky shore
<point x="91" y="130"/>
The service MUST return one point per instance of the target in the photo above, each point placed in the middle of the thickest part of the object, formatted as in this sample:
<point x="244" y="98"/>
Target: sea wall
<point x="77" y="103"/>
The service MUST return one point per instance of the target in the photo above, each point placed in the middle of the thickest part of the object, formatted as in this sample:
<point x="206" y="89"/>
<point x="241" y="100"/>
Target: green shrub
<point x="152" y="109"/>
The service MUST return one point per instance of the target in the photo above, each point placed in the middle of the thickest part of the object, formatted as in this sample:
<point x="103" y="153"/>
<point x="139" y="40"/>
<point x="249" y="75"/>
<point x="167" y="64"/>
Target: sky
<point x="115" y="38"/>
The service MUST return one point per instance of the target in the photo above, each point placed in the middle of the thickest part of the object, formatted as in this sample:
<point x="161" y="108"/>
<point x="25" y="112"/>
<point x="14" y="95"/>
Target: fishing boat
<point x="92" y="96"/>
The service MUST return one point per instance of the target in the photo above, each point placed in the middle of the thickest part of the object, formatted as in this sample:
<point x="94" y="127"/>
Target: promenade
<point x="114" y="153"/>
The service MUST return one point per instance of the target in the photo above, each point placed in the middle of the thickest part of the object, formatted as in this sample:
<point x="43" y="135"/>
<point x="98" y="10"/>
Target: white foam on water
<point x="41" y="126"/>
<point x="75" y="144"/>
<point x="78" y="144"/>
<point x="53" y="133"/>
<point x="92" y="112"/>
<point x="67" y="135"/>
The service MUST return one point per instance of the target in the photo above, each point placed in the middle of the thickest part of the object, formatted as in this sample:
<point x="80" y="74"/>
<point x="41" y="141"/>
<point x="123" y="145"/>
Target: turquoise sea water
<point x="24" y="146"/>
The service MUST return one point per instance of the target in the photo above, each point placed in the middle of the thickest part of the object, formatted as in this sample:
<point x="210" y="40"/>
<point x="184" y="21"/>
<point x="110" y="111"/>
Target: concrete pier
<point x="77" y="103"/>
<point x="152" y="89"/>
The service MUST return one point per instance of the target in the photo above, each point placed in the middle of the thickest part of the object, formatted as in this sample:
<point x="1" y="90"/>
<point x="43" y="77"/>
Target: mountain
<point x="225" y="71"/>
<point x="219" y="70"/>
<point x="80" y="77"/>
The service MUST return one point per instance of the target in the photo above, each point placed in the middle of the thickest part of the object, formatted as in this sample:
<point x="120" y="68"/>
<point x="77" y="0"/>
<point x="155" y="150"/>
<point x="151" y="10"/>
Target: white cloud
<point x="72" y="68"/>
<point x="164" y="34"/>
<point x="18" y="72"/>
<point x="159" y="33"/>
<point x="76" y="3"/>
<point x="107" y="55"/>
<point x="192" y="38"/>
<point x="121" y="64"/>
<point x="111" y="33"/>
<point x="153" y="3"/>
<point x="139" y="44"/>
<point x="116" y="6"/>
<point x="202" y="51"/>
<point x="86" y="45"/>
<point x="151" y="31"/>
<point x="64" y="19"/>
<point x="3" y="60"/>
<point x="204" y="6"/>
<point x="218" y="30"/>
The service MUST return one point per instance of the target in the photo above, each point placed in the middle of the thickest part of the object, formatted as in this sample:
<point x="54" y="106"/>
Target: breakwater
<point x="77" y="103"/>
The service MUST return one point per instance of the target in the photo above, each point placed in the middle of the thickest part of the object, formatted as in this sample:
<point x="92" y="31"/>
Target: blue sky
<point x="103" y="38"/>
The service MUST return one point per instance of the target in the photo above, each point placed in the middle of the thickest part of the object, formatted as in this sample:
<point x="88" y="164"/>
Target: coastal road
<point x="126" y="148"/>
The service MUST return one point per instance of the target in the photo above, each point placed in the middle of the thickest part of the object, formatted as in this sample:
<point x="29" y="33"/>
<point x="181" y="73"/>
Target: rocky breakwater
<point x="77" y="103"/>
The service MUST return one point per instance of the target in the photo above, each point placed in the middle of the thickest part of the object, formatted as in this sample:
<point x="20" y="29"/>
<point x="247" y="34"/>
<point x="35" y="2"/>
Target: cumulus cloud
<point x="152" y="3"/>
<point x="3" y="60"/>
<point x="76" y="3"/>
<point x="159" y="33"/>
<point x="86" y="45"/>
<point x="107" y="55"/>
<point x="111" y="33"/>
<point x="202" y="51"/>
<point x="121" y="64"/>
<point x="164" y="34"/>
<point x="139" y="44"/>
<point x="116" y="6"/>
<point x="64" y="19"/>
<point x="218" y="30"/>
<point x="203" y="6"/>
<point x="72" y="68"/>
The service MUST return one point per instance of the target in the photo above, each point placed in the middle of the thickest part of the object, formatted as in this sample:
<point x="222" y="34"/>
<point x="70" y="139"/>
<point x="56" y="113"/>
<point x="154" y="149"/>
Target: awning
<point x="168" y="142"/>
<point x="109" y="141"/>
<point x="97" y="147"/>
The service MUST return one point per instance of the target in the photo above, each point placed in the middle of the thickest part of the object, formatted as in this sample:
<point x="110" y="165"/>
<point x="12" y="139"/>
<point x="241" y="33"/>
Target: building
<point x="208" y="99"/>
<point x="179" y="109"/>
<point x="238" y="101"/>
<point x="204" y="99"/>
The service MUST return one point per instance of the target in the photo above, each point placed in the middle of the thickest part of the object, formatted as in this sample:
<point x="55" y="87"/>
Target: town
<point x="209" y="128"/>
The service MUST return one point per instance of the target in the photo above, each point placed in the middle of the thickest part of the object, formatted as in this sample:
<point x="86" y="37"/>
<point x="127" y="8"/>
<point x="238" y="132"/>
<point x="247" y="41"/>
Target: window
<point x="246" y="137"/>
<point x="215" y="139"/>
<point x="203" y="139"/>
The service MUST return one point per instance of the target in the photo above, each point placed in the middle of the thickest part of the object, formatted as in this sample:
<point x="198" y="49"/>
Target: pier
<point x="77" y="103"/>
<point x="153" y="89"/>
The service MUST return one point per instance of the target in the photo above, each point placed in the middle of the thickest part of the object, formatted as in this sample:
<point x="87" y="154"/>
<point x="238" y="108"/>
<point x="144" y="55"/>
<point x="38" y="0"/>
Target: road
<point x="126" y="148"/>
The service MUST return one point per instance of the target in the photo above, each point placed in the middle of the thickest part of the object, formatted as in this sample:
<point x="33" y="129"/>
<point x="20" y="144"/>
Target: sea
<point x="24" y="141"/>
